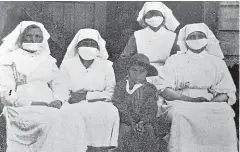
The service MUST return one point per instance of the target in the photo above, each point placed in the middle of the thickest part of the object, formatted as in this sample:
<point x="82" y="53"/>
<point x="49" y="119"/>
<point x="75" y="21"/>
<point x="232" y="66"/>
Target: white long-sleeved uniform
<point x="101" y="118"/>
<point x="43" y="79"/>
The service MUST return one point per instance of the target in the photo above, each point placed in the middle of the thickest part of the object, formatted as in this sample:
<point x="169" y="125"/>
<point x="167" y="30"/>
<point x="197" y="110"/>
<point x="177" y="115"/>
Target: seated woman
<point x="199" y="91"/>
<point x="136" y="100"/>
<point x="28" y="71"/>
<point x="30" y="84"/>
<point x="90" y="80"/>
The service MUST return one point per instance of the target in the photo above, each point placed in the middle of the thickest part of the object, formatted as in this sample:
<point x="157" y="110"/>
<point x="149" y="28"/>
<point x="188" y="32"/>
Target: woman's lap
<point x="189" y="109"/>
<point x="57" y="130"/>
<point x="102" y="123"/>
<point x="200" y="124"/>
<point x="101" y="120"/>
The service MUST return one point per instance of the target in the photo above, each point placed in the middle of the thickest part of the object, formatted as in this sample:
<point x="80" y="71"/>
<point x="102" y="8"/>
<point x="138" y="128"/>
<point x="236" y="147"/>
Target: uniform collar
<point x="135" y="87"/>
<point x="197" y="55"/>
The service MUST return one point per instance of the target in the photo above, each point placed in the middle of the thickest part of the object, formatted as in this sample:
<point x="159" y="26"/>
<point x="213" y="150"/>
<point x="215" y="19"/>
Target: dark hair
<point x="153" y="13"/>
<point x="200" y="32"/>
<point x="81" y="43"/>
<point x="21" y="36"/>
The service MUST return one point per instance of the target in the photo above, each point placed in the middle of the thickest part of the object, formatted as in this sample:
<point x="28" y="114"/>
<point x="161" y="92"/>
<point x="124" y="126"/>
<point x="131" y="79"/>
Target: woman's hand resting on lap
<point x="77" y="96"/>
<point x="56" y="104"/>
<point x="199" y="99"/>
<point x="39" y="103"/>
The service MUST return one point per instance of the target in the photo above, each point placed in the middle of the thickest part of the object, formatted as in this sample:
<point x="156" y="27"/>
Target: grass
<point x="3" y="144"/>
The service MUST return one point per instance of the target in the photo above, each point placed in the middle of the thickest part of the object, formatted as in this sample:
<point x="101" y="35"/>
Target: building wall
<point x="223" y="19"/>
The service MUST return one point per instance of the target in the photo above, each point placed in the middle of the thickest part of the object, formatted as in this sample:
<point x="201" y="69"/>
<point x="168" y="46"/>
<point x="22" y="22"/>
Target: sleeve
<point x="167" y="75"/>
<point x="6" y="78"/>
<point x="119" y="102"/>
<point x="7" y="83"/>
<point x="59" y="85"/>
<point x="109" y="85"/>
<point x="130" y="49"/>
<point x="65" y="75"/>
<point x="150" y="109"/>
<point x="224" y="83"/>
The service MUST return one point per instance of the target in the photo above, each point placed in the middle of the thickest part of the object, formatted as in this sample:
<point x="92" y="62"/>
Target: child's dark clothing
<point x="141" y="105"/>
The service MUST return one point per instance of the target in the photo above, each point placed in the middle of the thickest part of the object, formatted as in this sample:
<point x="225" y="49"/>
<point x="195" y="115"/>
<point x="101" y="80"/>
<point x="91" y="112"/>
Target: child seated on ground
<point x="136" y="100"/>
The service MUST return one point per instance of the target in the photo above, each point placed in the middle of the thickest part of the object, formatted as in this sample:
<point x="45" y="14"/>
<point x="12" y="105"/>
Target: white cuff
<point x="97" y="95"/>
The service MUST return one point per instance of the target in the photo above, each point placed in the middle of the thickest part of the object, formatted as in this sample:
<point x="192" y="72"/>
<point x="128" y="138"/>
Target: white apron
<point x="157" y="47"/>
<point x="200" y="127"/>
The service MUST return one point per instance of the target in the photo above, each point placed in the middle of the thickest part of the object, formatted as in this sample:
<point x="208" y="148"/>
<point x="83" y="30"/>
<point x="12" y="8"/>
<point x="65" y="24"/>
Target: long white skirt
<point x="101" y="120"/>
<point x="201" y="127"/>
<point x="44" y="129"/>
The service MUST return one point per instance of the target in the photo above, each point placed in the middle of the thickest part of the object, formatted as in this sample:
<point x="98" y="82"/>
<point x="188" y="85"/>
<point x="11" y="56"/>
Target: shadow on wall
<point x="234" y="70"/>
<point x="13" y="17"/>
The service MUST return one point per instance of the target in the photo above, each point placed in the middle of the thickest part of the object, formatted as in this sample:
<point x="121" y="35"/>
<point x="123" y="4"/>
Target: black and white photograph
<point x="119" y="76"/>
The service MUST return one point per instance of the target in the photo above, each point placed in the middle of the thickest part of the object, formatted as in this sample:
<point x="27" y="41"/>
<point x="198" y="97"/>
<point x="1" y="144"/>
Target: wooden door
<point x="69" y="17"/>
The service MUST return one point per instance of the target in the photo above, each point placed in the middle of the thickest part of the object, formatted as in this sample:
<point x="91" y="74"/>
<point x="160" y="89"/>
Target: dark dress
<point x="141" y="105"/>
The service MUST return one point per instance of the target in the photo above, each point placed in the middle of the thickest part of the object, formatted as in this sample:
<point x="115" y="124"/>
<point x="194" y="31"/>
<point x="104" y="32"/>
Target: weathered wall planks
<point x="62" y="19"/>
<point x="223" y="18"/>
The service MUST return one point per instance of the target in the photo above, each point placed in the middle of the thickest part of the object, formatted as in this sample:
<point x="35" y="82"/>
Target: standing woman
<point x="90" y="80"/>
<point x="157" y="38"/>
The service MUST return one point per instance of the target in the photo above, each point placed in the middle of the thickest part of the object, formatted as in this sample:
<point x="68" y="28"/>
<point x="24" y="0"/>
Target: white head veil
<point x="87" y="34"/>
<point x="10" y="42"/>
<point x="170" y="21"/>
<point x="212" y="47"/>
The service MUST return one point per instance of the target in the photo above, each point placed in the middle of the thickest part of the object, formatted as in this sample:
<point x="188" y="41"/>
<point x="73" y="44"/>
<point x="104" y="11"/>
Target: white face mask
<point x="197" y="44"/>
<point x="33" y="47"/>
<point x="154" y="21"/>
<point x="88" y="53"/>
